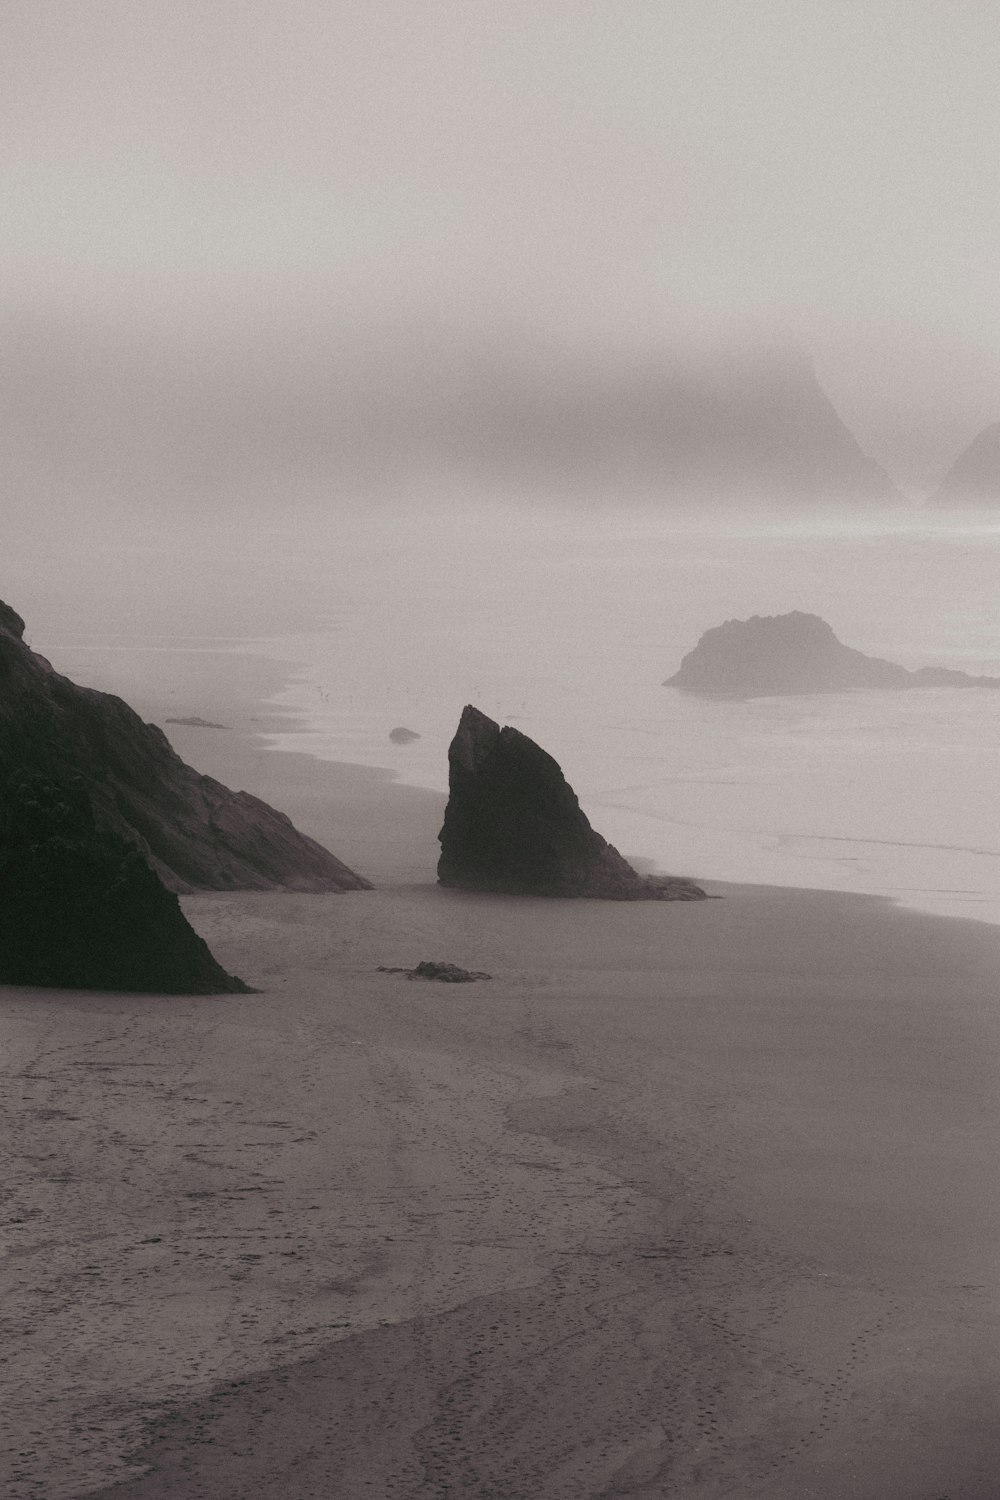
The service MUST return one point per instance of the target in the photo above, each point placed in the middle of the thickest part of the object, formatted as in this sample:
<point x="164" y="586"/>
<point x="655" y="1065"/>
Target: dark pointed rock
<point x="11" y="622"/>
<point x="771" y="655"/>
<point x="513" y="824"/>
<point x="193" y="831"/>
<point x="81" y="909"/>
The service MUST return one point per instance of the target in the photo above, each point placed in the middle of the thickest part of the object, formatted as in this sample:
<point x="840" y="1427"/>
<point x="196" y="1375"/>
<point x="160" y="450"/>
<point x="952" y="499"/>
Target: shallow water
<point x="566" y="623"/>
<point x="569" y="630"/>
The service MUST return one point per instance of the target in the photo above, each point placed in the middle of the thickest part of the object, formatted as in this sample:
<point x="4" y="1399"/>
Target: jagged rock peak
<point x="476" y="737"/>
<point x="193" y="831"/>
<point x="974" y="477"/>
<point x="513" y="824"/>
<point x="10" y="621"/>
<point x="773" y="655"/>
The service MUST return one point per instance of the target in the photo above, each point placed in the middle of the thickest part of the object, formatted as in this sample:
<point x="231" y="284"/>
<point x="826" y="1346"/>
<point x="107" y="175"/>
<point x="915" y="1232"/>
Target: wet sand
<point x="687" y="1200"/>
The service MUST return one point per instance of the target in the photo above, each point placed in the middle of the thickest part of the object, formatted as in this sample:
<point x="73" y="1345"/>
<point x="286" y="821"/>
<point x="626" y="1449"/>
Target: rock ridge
<point x="194" y="832"/>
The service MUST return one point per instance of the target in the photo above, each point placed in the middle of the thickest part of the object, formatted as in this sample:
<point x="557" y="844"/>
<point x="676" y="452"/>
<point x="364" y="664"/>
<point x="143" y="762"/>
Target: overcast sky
<point x="605" y="170"/>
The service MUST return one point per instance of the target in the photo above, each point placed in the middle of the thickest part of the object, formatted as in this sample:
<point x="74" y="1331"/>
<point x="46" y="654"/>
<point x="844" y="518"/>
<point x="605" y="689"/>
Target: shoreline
<point x="376" y="824"/>
<point x="244" y="689"/>
<point x="694" y="1199"/>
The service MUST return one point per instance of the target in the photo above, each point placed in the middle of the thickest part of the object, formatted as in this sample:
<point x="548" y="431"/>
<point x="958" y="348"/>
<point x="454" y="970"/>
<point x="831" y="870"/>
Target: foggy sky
<point x="626" y="174"/>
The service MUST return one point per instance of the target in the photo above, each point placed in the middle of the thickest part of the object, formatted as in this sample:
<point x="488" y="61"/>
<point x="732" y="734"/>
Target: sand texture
<point x="691" y="1200"/>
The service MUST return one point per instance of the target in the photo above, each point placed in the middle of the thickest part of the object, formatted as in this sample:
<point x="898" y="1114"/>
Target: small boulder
<point x="446" y="973"/>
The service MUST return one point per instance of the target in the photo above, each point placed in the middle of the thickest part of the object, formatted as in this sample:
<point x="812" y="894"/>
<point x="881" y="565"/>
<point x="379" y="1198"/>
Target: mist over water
<point x="361" y="361"/>
<point x="569" y="630"/>
<point x="566" y="622"/>
<point x="466" y="361"/>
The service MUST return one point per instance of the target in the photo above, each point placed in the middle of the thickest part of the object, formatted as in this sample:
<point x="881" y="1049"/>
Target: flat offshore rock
<point x="773" y="655"/>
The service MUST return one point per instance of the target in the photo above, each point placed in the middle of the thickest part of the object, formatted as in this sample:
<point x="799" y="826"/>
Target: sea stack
<point x="193" y="831"/>
<point x="513" y="825"/>
<point x="773" y="655"/>
<point x="81" y="909"/>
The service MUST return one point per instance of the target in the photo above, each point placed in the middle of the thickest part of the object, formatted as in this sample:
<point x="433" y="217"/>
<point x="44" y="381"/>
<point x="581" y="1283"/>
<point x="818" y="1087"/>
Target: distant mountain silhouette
<point x="770" y="655"/>
<point x="193" y="831"/>
<point x="390" y="411"/>
<point x="974" y="477"/>
<point x="759" y="428"/>
<point x="755" y="428"/>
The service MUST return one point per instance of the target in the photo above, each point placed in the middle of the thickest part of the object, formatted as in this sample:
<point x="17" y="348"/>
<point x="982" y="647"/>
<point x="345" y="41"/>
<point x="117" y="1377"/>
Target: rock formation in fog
<point x="974" y="477"/>
<point x="513" y="824"/>
<point x="795" y="653"/>
<point x="759" y="429"/>
<point x="458" y="415"/>
<point x="403" y="736"/>
<point x="81" y="909"/>
<point x="194" y="832"/>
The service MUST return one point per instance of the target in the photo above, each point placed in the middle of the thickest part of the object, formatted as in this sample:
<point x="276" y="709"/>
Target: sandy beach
<point x="628" y="374"/>
<point x="688" y="1200"/>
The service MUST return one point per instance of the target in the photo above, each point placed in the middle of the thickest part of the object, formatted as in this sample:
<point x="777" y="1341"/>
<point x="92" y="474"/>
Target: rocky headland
<point x="81" y="909"/>
<point x="513" y="824"/>
<point x="193" y="831"/>
<point x="770" y="655"/>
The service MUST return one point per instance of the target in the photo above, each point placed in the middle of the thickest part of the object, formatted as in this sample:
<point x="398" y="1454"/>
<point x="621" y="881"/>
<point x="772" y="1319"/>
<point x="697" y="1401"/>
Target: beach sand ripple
<point x="690" y="1200"/>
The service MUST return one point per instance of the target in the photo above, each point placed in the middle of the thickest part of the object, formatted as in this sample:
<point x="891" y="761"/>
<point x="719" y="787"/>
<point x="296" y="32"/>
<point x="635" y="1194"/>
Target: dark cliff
<point x="796" y="653"/>
<point x="81" y="909"/>
<point x="193" y="831"/>
<point x="513" y="824"/>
